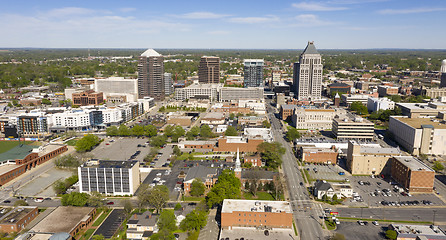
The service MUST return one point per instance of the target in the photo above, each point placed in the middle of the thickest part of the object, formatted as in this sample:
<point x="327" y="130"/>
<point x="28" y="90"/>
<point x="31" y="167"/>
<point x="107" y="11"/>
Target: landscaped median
<point x="381" y="220"/>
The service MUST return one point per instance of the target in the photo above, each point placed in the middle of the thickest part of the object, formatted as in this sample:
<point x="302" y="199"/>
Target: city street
<point x="306" y="213"/>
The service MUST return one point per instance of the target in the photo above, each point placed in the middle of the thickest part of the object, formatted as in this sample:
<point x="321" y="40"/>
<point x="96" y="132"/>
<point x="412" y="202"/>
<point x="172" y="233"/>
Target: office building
<point x="86" y="98"/>
<point x="419" y="135"/>
<point x="350" y="126"/>
<point x="209" y="70"/>
<point x="109" y="177"/>
<point x="434" y="92"/>
<point x="168" y="84"/>
<point x="198" y="91"/>
<point x="348" y="99"/>
<point x="116" y="88"/>
<point x="236" y="143"/>
<point x="314" y="119"/>
<point x="312" y="154"/>
<point x="412" y="174"/>
<point x="307" y="78"/>
<point x="286" y="111"/>
<point x="443" y="73"/>
<point x="385" y="90"/>
<point x="151" y="75"/>
<point x="228" y="94"/>
<point x="376" y="104"/>
<point x="366" y="160"/>
<point x="416" y="110"/>
<point x="253" y="70"/>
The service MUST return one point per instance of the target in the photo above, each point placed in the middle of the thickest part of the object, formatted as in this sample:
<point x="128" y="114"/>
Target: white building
<point x="314" y="119"/>
<point x="228" y="94"/>
<point x="199" y="91"/>
<point x="168" y="84"/>
<point x="348" y="99"/>
<point x="322" y="188"/>
<point x="376" y="104"/>
<point x="71" y="120"/>
<point x="307" y="77"/>
<point x="109" y="177"/>
<point x="118" y="86"/>
<point x="263" y="133"/>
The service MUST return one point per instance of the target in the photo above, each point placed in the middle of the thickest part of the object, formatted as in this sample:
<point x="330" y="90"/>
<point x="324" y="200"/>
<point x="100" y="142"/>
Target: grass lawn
<point x="330" y="225"/>
<point x="8" y="145"/>
<point x="71" y="142"/>
<point x="260" y="196"/>
<point x="88" y="233"/>
<point x="192" y="199"/>
<point x="101" y="218"/>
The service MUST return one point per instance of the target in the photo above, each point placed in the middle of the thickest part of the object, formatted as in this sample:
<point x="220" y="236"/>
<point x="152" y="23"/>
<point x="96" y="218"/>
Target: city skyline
<point x="336" y="24"/>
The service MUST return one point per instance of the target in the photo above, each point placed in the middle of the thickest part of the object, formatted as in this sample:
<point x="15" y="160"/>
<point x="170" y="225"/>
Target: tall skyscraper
<point x="443" y="74"/>
<point x="151" y="75"/>
<point x="307" y="77"/>
<point x="253" y="73"/>
<point x="209" y="70"/>
<point x="168" y="84"/>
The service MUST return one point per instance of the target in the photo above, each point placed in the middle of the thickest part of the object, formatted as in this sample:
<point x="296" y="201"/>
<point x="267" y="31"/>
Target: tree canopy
<point x="74" y="199"/>
<point x="197" y="188"/>
<point x="359" y="108"/>
<point x="87" y="143"/>
<point x="227" y="187"/>
<point x="271" y="153"/>
<point x="155" y="197"/>
<point x="231" y="131"/>
<point x="292" y="134"/>
<point x="195" y="220"/>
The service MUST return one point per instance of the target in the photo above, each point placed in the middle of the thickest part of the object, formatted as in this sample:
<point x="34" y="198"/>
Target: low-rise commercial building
<point x="66" y="219"/>
<point x="348" y="99"/>
<point x="234" y="143"/>
<point x="352" y="127"/>
<point x="109" y="177"/>
<point x="318" y="155"/>
<point x="341" y="88"/>
<point x="412" y="174"/>
<point x="419" y="135"/>
<point x="363" y="160"/>
<point x="376" y="104"/>
<point x="184" y="121"/>
<point x="323" y="188"/>
<point x="418" y="232"/>
<point x="384" y="90"/>
<point x="87" y="98"/>
<point x="415" y="110"/>
<point x="253" y="213"/>
<point x="16" y="219"/>
<point x="198" y="91"/>
<point x="264" y="133"/>
<point x="197" y="145"/>
<point x="213" y="118"/>
<point x="252" y="121"/>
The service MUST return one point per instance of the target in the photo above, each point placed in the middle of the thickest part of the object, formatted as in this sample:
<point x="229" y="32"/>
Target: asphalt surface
<point x="352" y="230"/>
<point x="111" y="224"/>
<point x="306" y="213"/>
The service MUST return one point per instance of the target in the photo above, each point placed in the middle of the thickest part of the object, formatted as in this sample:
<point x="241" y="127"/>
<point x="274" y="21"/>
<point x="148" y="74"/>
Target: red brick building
<point x="15" y="220"/>
<point x="412" y="174"/>
<point x="255" y="160"/>
<point x="231" y="144"/>
<point x="88" y="98"/>
<point x="259" y="214"/>
<point x="318" y="155"/>
<point x="286" y="111"/>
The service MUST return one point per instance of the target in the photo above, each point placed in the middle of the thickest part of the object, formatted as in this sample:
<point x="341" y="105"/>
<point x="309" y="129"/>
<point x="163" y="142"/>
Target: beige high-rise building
<point x="363" y="160"/>
<point x="209" y="70"/>
<point x="307" y="78"/>
<point x="151" y="75"/>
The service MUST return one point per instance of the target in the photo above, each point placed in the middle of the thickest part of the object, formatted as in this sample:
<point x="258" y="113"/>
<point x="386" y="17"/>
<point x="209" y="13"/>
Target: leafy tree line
<point x="203" y="132"/>
<point x="68" y="161"/>
<point x="197" y="109"/>
<point x="383" y="115"/>
<point x="227" y="187"/>
<point x="271" y="153"/>
<point x="87" y="143"/>
<point x="136" y="130"/>
<point x="61" y="186"/>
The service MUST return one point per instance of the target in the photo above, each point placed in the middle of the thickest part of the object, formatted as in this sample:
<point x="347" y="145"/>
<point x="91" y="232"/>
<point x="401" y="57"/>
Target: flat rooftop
<point x="63" y="219"/>
<point x="257" y="234"/>
<point x="421" y="230"/>
<point x="236" y="205"/>
<point x="7" y="167"/>
<point x="379" y="150"/>
<point x="413" y="163"/>
<point x="418" y="122"/>
<point x="16" y="214"/>
<point x="109" y="164"/>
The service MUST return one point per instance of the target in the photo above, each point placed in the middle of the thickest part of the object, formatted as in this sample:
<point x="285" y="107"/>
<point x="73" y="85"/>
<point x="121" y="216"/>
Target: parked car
<point x="38" y="200"/>
<point x="110" y="203"/>
<point x="341" y="173"/>
<point x="375" y="223"/>
<point x="7" y="201"/>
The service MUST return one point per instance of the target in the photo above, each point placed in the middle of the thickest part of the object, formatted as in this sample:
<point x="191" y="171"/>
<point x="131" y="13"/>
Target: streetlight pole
<point x="435" y="211"/>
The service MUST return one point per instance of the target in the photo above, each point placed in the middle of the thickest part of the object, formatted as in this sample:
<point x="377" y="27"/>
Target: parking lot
<point x="326" y="172"/>
<point x="159" y="177"/>
<point x="121" y="149"/>
<point x="352" y="230"/>
<point x="42" y="185"/>
<point x="379" y="192"/>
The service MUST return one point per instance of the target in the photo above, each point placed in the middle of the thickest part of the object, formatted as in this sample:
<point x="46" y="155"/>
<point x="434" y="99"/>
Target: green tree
<point x="231" y="131"/>
<point x="46" y="101"/>
<point x="112" y="131"/>
<point x="74" y="199"/>
<point x="137" y="130"/>
<point x="391" y="234"/>
<point x="59" y="187"/>
<point x="176" y="150"/>
<point x="87" y="143"/>
<point x="195" y="220"/>
<point x="158" y="141"/>
<point x="395" y="98"/>
<point x="150" y="131"/>
<point x="438" y="166"/>
<point x="266" y="124"/>
<point x="292" y="134"/>
<point x="231" y="116"/>
<point x="169" y="130"/>
<point x="206" y="131"/>
<point x="68" y="161"/>
<point x="95" y="200"/>
<point x="359" y="108"/>
<point x="197" y="188"/>
<point x="177" y="133"/>
<point x="227" y="187"/>
<point x="98" y="237"/>
<point x="166" y="225"/>
<point x="124" y="130"/>
<point x="177" y="207"/>
<point x="128" y="206"/>
<point x="338" y="236"/>
<point x="155" y="197"/>
<point x="334" y="199"/>
<point x="271" y="153"/>
<point x="20" y="202"/>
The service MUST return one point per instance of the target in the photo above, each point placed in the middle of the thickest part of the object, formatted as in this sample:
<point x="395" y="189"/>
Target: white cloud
<point x="409" y="11"/>
<point x="251" y="20"/>
<point x="69" y="11"/>
<point x="202" y="15"/>
<point x="311" y="20"/>
<point x="219" y="32"/>
<point x="127" y="9"/>
<point x="315" y="6"/>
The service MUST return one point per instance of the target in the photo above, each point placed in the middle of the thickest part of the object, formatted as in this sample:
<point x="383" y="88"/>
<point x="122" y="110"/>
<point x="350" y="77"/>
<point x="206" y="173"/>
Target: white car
<point x="375" y="223"/>
<point x="38" y="200"/>
<point x="337" y="221"/>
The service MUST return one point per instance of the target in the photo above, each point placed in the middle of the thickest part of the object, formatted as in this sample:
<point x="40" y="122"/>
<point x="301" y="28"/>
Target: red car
<point x="110" y="203"/>
<point x="107" y="144"/>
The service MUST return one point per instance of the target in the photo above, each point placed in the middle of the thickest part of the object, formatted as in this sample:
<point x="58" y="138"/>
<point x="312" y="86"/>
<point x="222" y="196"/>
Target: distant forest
<point x="45" y="66"/>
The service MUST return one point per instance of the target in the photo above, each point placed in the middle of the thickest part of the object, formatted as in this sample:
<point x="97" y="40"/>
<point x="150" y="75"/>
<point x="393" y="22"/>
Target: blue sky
<point x="280" y="24"/>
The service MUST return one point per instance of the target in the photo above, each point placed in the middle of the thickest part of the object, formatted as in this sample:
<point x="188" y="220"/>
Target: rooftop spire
<point x="310" y="49"/>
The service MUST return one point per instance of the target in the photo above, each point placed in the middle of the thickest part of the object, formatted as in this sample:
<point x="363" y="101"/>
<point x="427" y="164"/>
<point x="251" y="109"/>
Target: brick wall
<point x="256" y="219"/>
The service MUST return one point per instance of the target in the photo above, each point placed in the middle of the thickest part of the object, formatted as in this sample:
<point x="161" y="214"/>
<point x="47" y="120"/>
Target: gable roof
<point x="322" y="185"/>
<point x="310" y="49"/>
<point x="200" y="172"/>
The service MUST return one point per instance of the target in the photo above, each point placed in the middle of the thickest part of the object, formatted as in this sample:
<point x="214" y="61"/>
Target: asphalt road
<point x="306" y="213"/>
<point x="425" y="214"/>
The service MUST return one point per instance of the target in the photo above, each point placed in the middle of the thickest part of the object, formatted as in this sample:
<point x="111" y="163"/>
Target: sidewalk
<point x="211" y="230"/>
